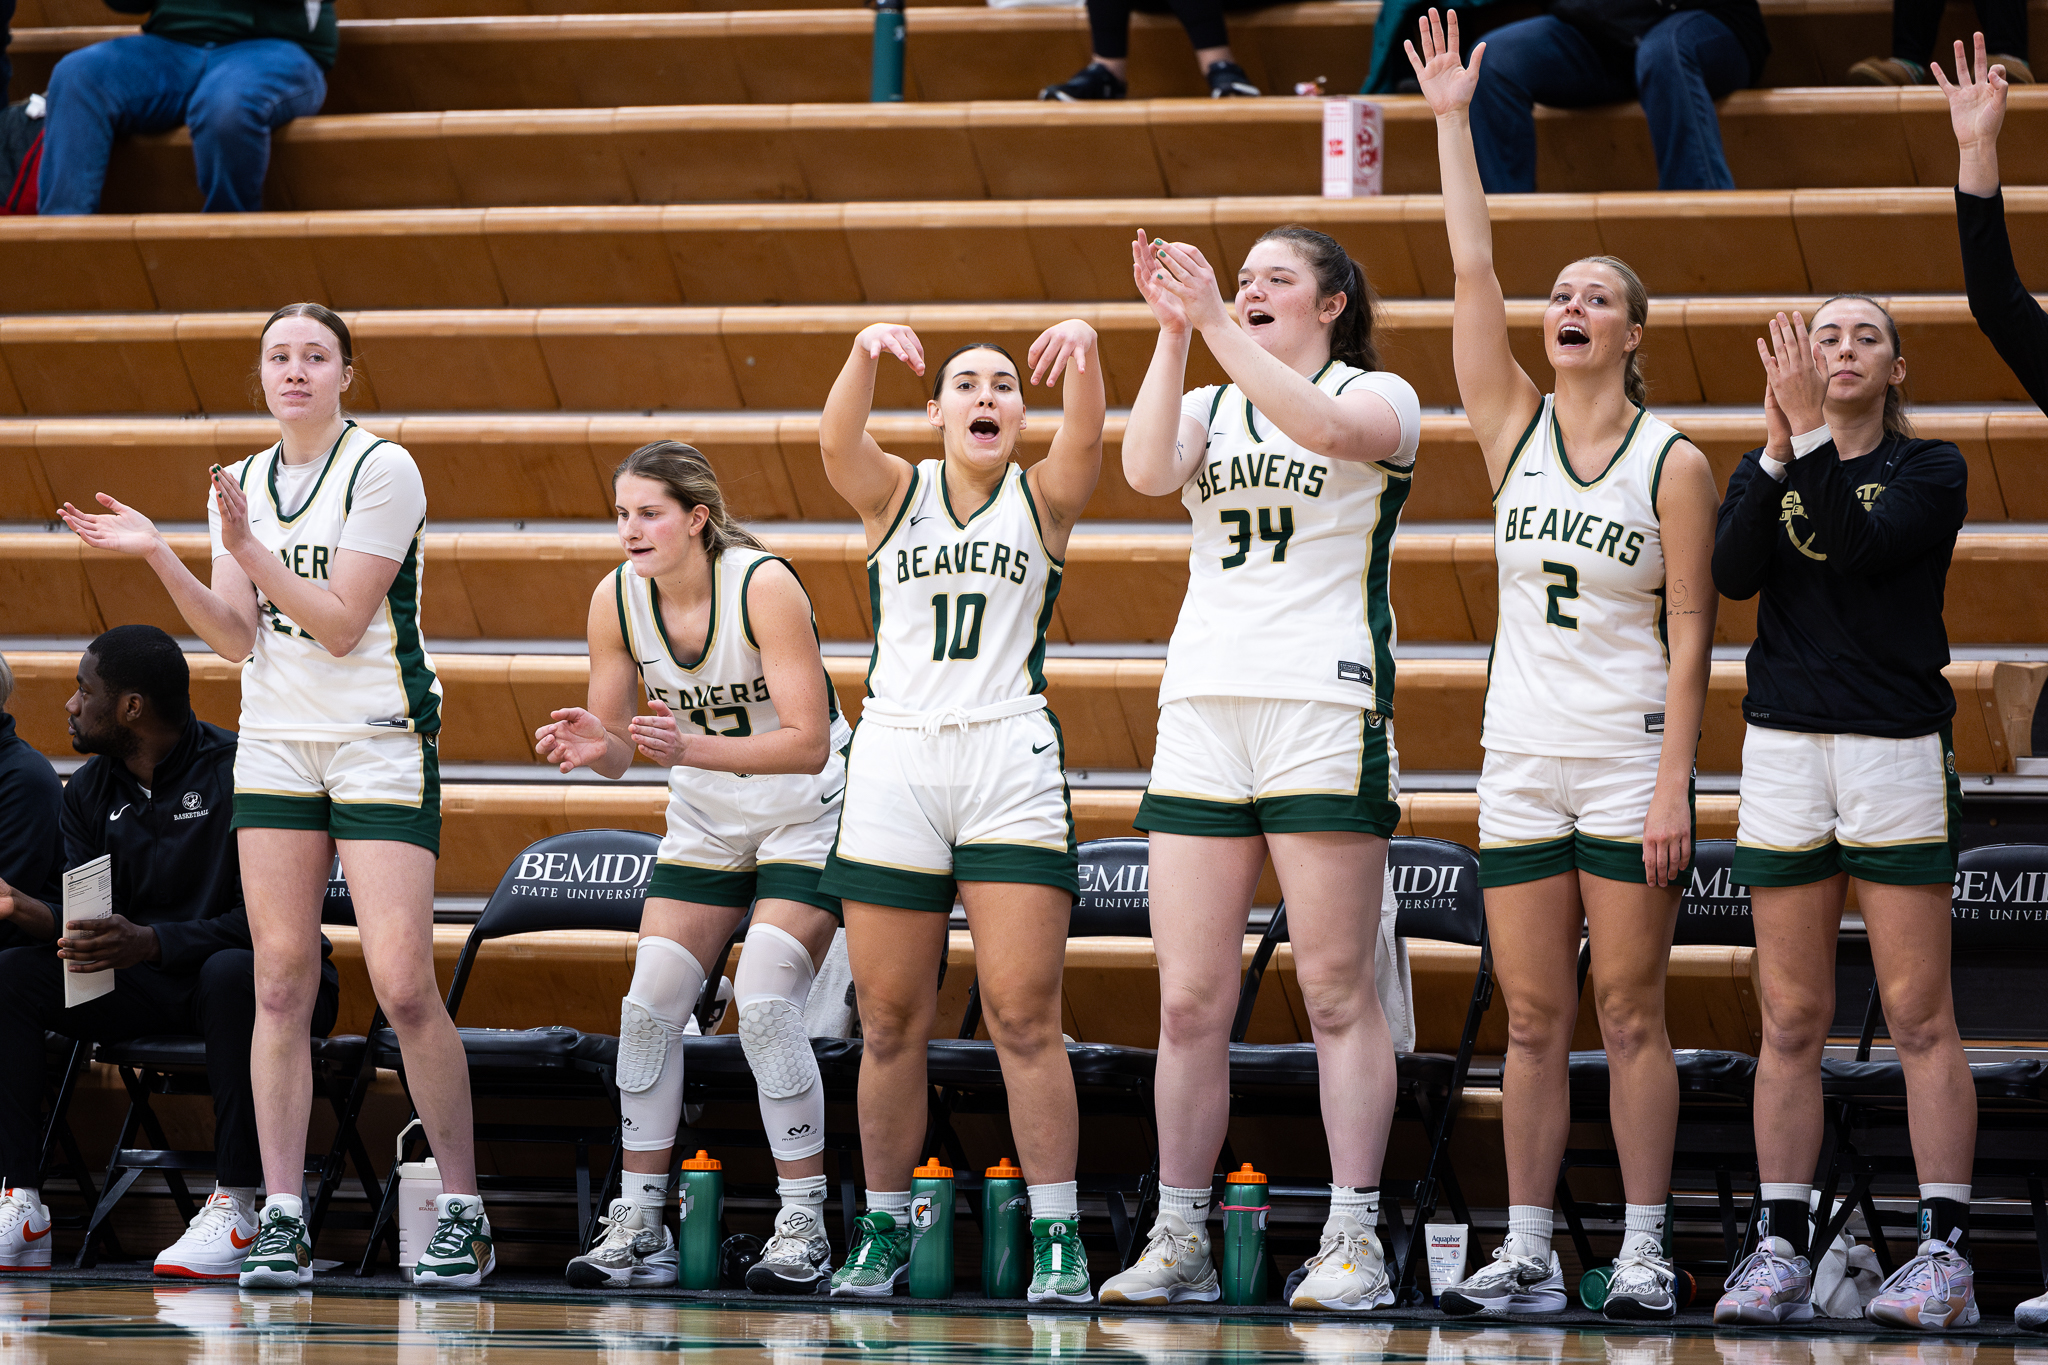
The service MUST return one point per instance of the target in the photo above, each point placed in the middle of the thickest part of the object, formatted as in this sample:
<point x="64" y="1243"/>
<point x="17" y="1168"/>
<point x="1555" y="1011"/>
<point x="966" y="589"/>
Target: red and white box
<point x="1354" y="148"/>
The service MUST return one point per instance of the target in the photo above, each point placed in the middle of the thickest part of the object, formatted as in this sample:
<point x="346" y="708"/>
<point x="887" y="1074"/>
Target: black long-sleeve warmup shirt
<point x="2005" y="311"/>
<point x="1851" y="558"/>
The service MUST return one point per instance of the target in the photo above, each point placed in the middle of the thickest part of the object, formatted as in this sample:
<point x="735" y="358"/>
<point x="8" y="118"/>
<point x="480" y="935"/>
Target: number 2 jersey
<point x="1287" y="574"/>
<point x="1579" y="662"/>
<point x="962" y="598"/>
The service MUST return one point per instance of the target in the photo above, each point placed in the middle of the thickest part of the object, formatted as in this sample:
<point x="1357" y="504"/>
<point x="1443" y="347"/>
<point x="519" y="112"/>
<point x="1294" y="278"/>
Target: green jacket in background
<point x="309" y="23"/>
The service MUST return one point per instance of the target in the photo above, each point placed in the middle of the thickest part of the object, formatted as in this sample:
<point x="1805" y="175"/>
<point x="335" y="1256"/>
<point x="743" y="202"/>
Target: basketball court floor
<point x="66" y="1320"/>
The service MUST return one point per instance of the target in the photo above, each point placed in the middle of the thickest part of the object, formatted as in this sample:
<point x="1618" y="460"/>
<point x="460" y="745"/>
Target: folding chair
<point x="585" y="879"/>
<point x="1999" y="950"/>
<point x="67" y="1059"/>
<point x="1110" y="1080"/>
<point x="174" y="1065"/>
<point x="1436" y="889"/>
<point x="1715" y="1129"/>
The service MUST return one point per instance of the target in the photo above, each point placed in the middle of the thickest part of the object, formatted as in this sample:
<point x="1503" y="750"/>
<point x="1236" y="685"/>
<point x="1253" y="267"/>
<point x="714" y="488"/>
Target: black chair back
<point x="2001" y="897"/>
<point x="339" y="907"/>
<point x="1115" y="899"/>
<point x="585" y="879"/>
<point x="1436" y="890"/>
<point x="1715" y="907"/>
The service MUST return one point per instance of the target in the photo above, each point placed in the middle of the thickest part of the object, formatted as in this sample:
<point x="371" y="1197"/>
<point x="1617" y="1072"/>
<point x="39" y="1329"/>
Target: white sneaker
<point x="633" y="1253"/>
<point x="1510" y="1284"/>
<point x="1644" y="1288"/>
<point x="1348" y="1272"/>
<point x="24" y="1231"/>
<point x="797" y="1258"/>
<point x="2032" y="1316"/>
<point x="1175" y="1268"/>
<point x="215" y="1243"/>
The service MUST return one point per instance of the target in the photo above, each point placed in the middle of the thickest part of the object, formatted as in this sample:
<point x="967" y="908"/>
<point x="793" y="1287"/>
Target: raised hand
<point x="1182" y="271"/>
<point x="1165" y="304"/>
<point x="1070" y="341"/>
<point x="1976" y="103"/>
<point x="1446" y="82"/>
<point x="894" y="338"/>
<point x="573" y="739"/>
<point x="1792" y="368"/>
<point x="121" y="528"/>
<point x="657" y="737"/>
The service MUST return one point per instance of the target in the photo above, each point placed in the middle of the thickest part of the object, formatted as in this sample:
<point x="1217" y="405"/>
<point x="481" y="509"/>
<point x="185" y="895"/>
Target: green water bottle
<point x="931" y="1231"/>
<point x="885" y="72"/>
<point x="703" y="1201"/>
<point x="1244" y="1236"/>
<point x="1005" y="1233"/>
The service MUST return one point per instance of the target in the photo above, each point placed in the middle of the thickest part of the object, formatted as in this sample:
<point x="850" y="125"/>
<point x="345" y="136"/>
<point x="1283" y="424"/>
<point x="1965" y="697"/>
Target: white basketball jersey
<point x="723" y="690"/>
<point x="1579" y="660"/>
<point x="293" y="688"/>
<point x="1287" y="574"/>
<point x="961" y="598"/>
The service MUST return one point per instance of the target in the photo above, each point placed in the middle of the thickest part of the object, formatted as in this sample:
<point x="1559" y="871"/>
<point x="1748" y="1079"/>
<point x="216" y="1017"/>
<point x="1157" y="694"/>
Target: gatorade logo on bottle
<point x="921" y="1212"/>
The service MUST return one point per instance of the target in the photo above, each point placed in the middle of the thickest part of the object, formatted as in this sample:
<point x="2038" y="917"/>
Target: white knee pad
<point x="666" y="982"/>
<point x="774" y="980"/>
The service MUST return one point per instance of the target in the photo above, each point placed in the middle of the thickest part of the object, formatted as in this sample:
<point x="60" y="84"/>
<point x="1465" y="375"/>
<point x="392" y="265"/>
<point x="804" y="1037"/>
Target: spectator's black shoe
<point x="1094" y="82"/>
<point x="1227" y="79"/>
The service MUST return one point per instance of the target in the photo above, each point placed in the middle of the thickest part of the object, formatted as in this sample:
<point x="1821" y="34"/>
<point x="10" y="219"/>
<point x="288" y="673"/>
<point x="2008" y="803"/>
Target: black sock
<point x="1940" y="1217"/>
<point x="1788" y="1220"/>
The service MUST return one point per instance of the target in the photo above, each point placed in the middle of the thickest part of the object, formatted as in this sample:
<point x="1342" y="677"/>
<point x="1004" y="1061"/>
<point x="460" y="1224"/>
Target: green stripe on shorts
<point x="1520" y="863"/>
<point x="1917" y="864"/>
<point x="1756" y="866"/>
<point x="795" y="882"/>
<point x="1018" y="863"/>
<point x="1618" y="860"/>
<point x="1310" y="814"/>
<point x="891" y="886"/>
<point x="702" y="885"/>
<point x="1193" y="816"/>
<point x="398" y="824"/>
<point x="263" y="810"/>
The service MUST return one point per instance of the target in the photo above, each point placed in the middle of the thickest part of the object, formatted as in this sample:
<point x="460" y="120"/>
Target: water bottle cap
<point x="1246" y="1176"/>
<point x="1004" y="1170"/>
<point x="932" y="1170"/>
<point x="703" y="1161"/>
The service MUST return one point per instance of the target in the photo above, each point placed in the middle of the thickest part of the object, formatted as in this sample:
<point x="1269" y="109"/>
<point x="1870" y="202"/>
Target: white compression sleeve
<point x="666" y="982"/>
<point x="773" y="981"/>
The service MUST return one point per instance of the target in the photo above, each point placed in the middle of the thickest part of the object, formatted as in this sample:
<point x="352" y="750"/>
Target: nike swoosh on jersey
<point x="1531" y="473"/>
<point x="915" y="520"/>
<point x="828" y="800"/>
<point x="1041" y="748"/>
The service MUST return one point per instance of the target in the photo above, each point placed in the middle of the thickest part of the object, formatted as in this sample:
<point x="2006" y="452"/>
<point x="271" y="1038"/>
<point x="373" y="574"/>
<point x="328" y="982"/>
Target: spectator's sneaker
<point x="1174" y="1269"/>
<point x="24" y="1231"/>
<point x="2017" y="72"/>
<point x="2032" y="1316"/>
<point x="632" y="1254"/>
<point x="1348" y="1272"/>
<point x="1059" y="1264"/>
<point x="1888" y="71"/>
<point x="1510" y="1284"/>
<point x="879" y="1260"/>
<point x="215" y="1244"/>
<point x="1092" y="82"/>
<point x="1771" y="1287"/>
<point x="1228" y="80"/>
<point x="797" y="1258"/>
<point x="461" y="1252"/>
<point x="1642" y="1289"/>
<point x="283" y="1255"/>
<point x="1935" y="1290"/>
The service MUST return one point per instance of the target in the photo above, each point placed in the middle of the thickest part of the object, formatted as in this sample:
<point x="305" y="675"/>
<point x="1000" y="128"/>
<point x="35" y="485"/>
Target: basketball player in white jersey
<point x="1603" y="532"/>
<point x="955" y="782"/>
<point x="716" y="633"/>
<point x="317" y="561"/>
<point x="1275" y="719"/>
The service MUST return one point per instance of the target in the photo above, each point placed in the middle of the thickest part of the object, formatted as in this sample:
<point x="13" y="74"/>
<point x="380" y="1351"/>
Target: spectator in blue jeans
<point x="231" y="70"/>
<point x="1676" y="59"/>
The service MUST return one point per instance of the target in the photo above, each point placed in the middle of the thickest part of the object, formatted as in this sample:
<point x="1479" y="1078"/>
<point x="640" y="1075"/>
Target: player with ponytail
<point x="1276" y="732"/>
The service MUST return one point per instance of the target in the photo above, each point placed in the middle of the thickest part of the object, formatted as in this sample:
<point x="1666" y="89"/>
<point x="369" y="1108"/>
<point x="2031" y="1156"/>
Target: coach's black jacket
<point x="174" y="859"/>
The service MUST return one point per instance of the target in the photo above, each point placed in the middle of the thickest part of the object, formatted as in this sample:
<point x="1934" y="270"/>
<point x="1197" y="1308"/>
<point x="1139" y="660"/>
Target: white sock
<point x="1959" y="1194"/>
<point x="290" y="1203"/>
<point x="1362" y="1202"/>
<point x="1191" y="1204"/>
<point x="895" y="1203"/>
<point x="1059" y="1200"/>
<point x="1645" y="1231"/>
<point x="1529" y="1231"/>
<point x="246" y="1197"/>
<point x="803" y="1192"/>
<point x="649" y="1192"/>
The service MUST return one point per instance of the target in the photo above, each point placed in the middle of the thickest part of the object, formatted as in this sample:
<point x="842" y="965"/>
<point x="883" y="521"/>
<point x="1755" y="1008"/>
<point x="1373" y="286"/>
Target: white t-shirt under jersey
<point x="1287" y="574"/>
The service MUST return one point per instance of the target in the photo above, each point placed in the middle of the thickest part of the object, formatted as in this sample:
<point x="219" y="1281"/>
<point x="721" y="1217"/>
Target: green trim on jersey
<point x="1621" y="450"/>
<point x="1215" y="405"/>
<point x="415" y="674"/>
<point x="1251" y="426"/>
<point x="348" y="500"/>
<point x="909" y="497"/>
<point x="1657" y="474"/>
<point x="661" y="626"/>
<point x="946" y="498"/>
<point x="625" y="625"/>
<point x="1515" y="456"/>
<point x="747" y="623"/>
<point x="318" y="484"/>
<point x="1379" y="601"/>
<point x="1034" y="662"/>
<point x="875" y="581"/>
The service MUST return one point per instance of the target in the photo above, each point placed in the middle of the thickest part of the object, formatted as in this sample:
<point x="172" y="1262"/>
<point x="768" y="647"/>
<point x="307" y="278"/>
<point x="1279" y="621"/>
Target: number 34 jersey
<point x="1287" y="574"/>
<point x="1579" y="661"/>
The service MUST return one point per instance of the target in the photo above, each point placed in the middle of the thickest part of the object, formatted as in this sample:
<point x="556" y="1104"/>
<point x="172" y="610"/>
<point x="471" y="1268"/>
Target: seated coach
<point x="157" y="797"/>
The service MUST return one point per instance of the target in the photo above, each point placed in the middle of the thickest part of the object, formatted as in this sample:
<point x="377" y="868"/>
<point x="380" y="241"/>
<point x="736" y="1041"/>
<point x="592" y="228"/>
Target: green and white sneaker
<point x="1059" y="1264"/>
<point x="460" y="1253"/>
<point x="879" y="1260"/>
<point x="282" y="1256"/>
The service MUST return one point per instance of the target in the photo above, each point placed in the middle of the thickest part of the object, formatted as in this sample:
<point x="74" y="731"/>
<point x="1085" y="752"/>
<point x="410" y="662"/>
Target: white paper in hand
<point x="88" y="894"/>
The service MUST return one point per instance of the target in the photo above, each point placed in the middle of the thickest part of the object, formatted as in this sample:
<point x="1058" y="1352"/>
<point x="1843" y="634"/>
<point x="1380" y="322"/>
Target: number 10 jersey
<point x="1287" y="574"/>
